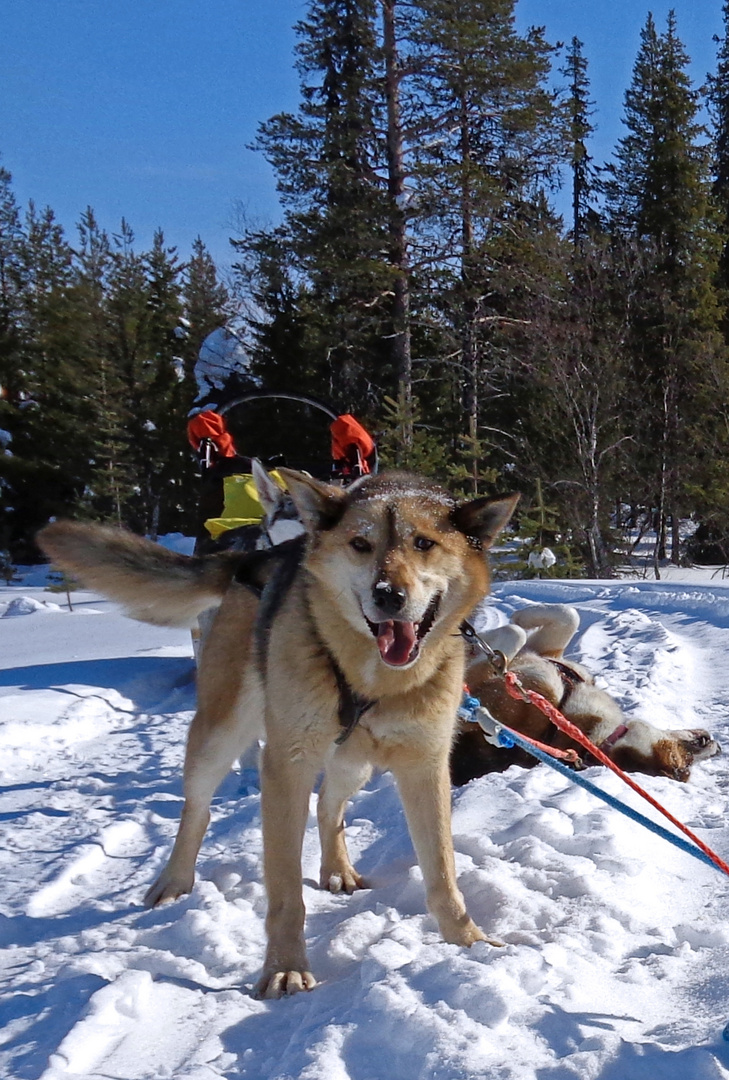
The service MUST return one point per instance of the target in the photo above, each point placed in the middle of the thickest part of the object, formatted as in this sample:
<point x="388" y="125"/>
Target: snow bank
<point x="27" y="605"/>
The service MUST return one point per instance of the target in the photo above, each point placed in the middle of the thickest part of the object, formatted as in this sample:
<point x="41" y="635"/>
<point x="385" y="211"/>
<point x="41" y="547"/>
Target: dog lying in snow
<point x="533" y="644"/>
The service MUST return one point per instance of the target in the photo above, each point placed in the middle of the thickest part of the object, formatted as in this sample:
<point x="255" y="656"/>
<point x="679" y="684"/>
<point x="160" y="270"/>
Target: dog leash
<point x="506" y="737"/>
<point x="515" y="689"/>
<point x="471" y="710"/>
<point x="470" y="705"/>
<point x="471" y="635"/>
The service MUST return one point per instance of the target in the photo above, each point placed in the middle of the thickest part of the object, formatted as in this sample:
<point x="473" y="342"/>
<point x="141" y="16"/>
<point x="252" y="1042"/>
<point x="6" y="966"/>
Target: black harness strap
<point x="352" y="706"/>
<point x="570" y="680"/>
<point x="255" y="569"/>
<point x="269" y="575"/>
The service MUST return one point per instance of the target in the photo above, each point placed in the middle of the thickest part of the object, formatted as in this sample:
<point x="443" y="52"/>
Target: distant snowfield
<point x="617" y="957"/>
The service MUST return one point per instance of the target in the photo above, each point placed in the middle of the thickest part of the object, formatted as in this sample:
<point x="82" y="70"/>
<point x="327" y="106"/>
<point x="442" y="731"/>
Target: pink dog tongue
<point x="396" y="640"/>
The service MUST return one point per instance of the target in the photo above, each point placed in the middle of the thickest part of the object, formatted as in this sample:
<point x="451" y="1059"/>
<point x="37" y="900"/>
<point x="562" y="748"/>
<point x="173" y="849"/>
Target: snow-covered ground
<point x="617" y="957"/>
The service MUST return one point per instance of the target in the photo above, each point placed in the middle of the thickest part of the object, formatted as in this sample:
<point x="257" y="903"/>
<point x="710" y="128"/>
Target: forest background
<point x="421" y="278"/>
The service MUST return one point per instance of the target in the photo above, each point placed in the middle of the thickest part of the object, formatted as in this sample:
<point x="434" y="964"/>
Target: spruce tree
<point x="490" y="137"/>
<point x="11" y="277"/>
<point x="579" y="109"/>
<point x="205" y="303"/>
<point x="108" y="492"/>
<point x="53" y="446"/>
<point x="11" y="352"/>
<point x="167" y="464"/>
<point x="658" y="194"/>
<point x="399" y="255"/>
<point x="718" y="99"/>
<point x="328" y="159"/>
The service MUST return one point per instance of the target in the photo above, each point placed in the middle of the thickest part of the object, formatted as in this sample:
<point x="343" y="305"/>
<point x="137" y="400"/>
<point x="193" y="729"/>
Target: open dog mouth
<point x="399" y="641"/>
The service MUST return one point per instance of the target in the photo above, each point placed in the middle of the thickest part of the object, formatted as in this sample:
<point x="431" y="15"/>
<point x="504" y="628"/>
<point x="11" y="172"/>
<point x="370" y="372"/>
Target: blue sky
<point x="143" y="108"/>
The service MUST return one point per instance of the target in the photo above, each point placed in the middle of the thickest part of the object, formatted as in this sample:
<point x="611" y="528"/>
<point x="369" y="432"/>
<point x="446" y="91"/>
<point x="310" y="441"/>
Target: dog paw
<point x="278" y="984"/>
<point x="468" y="934"/>
<point x="343" y="879"/>
<point x="165" y="890"/>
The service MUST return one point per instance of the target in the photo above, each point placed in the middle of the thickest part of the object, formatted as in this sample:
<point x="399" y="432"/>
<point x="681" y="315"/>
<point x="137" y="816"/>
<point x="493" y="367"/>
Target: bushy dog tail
<point x="554" y="626"/>
<point x="151" y="583"/>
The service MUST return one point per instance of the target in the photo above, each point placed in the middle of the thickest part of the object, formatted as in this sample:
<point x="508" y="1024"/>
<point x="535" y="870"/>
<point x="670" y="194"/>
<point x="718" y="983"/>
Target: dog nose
<point x="388" y="598"/>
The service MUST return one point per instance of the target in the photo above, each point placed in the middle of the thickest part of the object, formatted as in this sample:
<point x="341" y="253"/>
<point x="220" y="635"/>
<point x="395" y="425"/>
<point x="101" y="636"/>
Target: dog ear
<point x="320" y="505"/>
<point x="268" y="490"/>
<point x="483" y="519"/>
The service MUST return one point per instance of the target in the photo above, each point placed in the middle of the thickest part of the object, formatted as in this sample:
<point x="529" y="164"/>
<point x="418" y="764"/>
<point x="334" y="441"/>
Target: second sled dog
<point x="534" y="643"/>
<point x="350" y="659"/>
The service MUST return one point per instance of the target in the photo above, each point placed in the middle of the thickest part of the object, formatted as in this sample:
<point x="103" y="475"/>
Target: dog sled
<point x="243" y="503"/>
<point x="277" y="429"/>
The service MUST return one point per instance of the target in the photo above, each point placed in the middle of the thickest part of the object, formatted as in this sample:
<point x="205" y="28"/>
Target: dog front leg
<point x="342" y="778"/>
<point x="426" y="798"/>
<point x="285" y="789"/>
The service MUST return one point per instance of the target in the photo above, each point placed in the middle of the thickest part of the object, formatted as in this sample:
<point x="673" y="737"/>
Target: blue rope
<point x="510" y="738"/>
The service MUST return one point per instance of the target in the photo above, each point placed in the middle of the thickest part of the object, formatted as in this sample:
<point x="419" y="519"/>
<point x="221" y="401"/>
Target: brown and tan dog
<point x="534" y="643"/>
<point x="349" y="659"/>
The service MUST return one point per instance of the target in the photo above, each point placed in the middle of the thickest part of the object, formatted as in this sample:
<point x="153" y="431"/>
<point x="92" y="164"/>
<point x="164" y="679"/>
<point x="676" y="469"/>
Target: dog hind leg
<point x="554" y="626"/>
<point x="208" y="759"/>
<point x="227" y="722"/>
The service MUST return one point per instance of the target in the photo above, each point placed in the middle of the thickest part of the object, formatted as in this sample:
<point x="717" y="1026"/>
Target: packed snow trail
<point x="616" y="962"/>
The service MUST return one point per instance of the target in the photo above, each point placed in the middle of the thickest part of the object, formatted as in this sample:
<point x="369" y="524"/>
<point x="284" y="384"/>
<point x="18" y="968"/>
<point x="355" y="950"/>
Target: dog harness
<point x="352" y="706"/>
<point x="570" y="679"/>
<point x="269" y="574"/>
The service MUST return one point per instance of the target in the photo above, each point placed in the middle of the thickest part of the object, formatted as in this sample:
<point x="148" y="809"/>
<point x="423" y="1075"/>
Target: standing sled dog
<point x="350" y="657"/>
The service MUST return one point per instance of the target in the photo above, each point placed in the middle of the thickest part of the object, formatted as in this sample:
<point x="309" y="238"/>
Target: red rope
<point x="517" y="691"/>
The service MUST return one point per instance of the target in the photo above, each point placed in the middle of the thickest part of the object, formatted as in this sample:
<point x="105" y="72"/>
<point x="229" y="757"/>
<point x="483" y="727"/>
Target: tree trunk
<point x="675" y="538"/>
<point x="469" y="351"/>
<point x="399" y="256"/>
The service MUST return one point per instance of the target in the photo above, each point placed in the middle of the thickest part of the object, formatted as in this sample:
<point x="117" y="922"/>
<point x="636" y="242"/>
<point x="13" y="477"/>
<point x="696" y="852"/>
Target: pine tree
<point x="658" y="193"/>
<point x="579" y="110"/>
<point x="718" y="100"/>
<point x="490" y="136"/>
<point x="328" y="160"/>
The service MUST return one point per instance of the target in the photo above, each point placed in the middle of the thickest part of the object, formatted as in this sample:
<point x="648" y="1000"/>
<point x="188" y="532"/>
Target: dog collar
<point x="608" y="743"/>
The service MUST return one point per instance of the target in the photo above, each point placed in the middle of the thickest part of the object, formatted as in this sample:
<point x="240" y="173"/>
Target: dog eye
<point x="422" y="543"/>
<point x="360" y="544"/>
